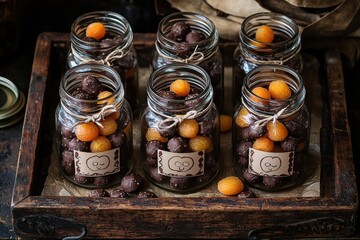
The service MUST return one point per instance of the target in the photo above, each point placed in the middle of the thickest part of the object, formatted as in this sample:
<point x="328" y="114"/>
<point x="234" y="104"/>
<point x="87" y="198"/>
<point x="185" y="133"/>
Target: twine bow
<point x="196" y="57"/>
<point x="116" y="54"/>
<point x="274" y="118"/>
<point x="174" y="121"/>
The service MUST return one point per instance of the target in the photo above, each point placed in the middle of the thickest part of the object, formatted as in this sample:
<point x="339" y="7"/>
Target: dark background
<point x="17" y="44"/>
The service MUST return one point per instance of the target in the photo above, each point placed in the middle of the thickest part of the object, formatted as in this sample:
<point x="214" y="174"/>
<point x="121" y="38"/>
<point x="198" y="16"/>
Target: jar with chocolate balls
<point x="271" y="129"/>
<point x="106" y="38"/>
<point x="265" y="38"/>
<point x="93" y="127"/>
<point x="191" y="38"/>
<point x="180" y="129"/>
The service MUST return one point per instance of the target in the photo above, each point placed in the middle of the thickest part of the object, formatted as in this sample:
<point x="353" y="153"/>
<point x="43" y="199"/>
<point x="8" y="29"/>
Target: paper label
<point x="181" y="164"/>
<point x="278" y="164"/>
<point x="97" y="164"/>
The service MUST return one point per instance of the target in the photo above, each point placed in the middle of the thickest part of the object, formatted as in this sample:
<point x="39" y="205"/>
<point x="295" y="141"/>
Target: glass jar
<point x="284" y="49"/>
<point x="180" y="136"/>
<point x="94" y="136"/>
<point x="197" y="44"/>
<point x="115" y="49"/>
<point x="271" y="136"/>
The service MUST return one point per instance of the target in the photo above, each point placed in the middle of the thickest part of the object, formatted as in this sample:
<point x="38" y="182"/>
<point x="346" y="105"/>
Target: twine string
<point x="117" y="53"/>
<point x="273" y="118"/>
<point x="175" y="120"/>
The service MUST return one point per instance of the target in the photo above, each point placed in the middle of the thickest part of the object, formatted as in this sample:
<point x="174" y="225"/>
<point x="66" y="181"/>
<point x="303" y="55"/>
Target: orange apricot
<point x="180" y="87"/>
<point x="225" y="123"/>
<point x="264" y="144"/>
<point x="188" y="128"/>
<point x="261" y="92"/>
<point x="103" y="98"/>
<point x="100" y="144"/>
<point x="96" y="30"/>
<point x="113" y="116"/>
<point x="230" y="186"/>
<point x="153" y="134"/>
<point x="279" y="90"/>
<point x="264" y="34"/>
<point x="243" y="118"/>
<point x="108" y="127"/>
<point x="87" y="131"/>
<point x="276" y="131"/>
<point x="200" y="143"/>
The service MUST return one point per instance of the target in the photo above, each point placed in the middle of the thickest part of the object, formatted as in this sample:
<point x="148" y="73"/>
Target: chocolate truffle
<point x="91" y="85"/>
<point x="180" y="30"/>
<point x="210" y="161"/>
<point x="83" y="180"/>
<point x="65" y="142"/>
<point x="82" y="95"/>
<point x="289" y="144"/>
<point x="67" y="163"/>
<point x="99" y="193"/>
<point x="67" y="132"/>
<point x="131" y="182"/>
<point x="117" y="139"/>
<point x="207" y="127"/>
<point x="154" y="175"/>
<point x="101" y="181"/>
<point x="256" y="131"/>
<point x="246" y="194"/>
<point x="180" y="182"/>
<point x="177" y="145"/>
<point x="167" y="132"/>
<point x="250" y="177"/>
<point x="191" y="100"/>
<point x="146" y="194"/>
<point x="119" y="193"/>
<point x="194" y="37"/>
<point x="76" y="144"/>
<point x="152" y="147"/>
<point x="151" y="161"/>
<point x="272" y="182"/>
<point x="242" y="149"/>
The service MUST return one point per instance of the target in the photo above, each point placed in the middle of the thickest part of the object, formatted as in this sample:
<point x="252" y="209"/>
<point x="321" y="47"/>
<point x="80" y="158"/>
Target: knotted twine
<point x="117" y="53"/>
<point x="195" y="58"/>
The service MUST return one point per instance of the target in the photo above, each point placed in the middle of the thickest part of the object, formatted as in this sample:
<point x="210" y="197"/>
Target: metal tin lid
<point x="12" y="102"/>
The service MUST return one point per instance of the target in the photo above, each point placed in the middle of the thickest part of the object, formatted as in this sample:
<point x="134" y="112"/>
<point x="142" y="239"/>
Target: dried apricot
<point x="262" y="93"/>
<point x="108" y="127"/>
<point x="103" y="98"/>
<point x="264" y="34"/>
<point x="225" y="123"/>
<point x="230" y="186"/>
<point x="100" y="144"/>
<point x="279" y="90"/>
<point x="200" y="143"/>
<point x="96" y="30"/>
<point x="87" y="132"/>
<point x="264" y="144"/>
<point x="114" y="116"/>
<point x="243" y="118"/>
<point x="180" y="87"/>
<point x="276" y="131"/>
<point x="152" y="134"/>
<point x="188" y="128"/>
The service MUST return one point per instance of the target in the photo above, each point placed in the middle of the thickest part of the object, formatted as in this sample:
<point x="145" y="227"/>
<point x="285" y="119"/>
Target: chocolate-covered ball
<point x="76" y="144"/>
<point x="210" y="161"/>
<point x="99" y="193"/>
<point x="131" y="182"/>
<point x="119" y="193"/>
<point x="154" y="175"/>
<point x="127" y="62"/>
<point x="67" y="162"/>
<point x="177" y="145"/>
<point x="101" y="181"/>
<point x="246" y="194"/>
<point x="117" y="139"/>
<point x="65" y="142"/>
<point x="181" y="182"/>
<point x="250" y="177"/>
<point x="245" y="133"/>
<point x="91" y="85"/>
<point x="152" y="147"/>
<point x="146" y="194"/>
<point x="168" y="95"/>
<point x="191" y="100"/>
<point x="256" y="131"/>
<point x="272" y="182"/>
<point x="194" y="37"/>
<point x="289" y="144"/>
<point x="107" y="43"/>
<point x="166" y="130"/>
<point x="67" y="132"/>
<point x="180" y="30"/>
<point x="151" y="161"/>
<point x="243" y="161"/>
<point x="242" y="148"/>
<point x="207" y="127"/>
<point x="83" y="180"/>
<point x="82" y="95"/>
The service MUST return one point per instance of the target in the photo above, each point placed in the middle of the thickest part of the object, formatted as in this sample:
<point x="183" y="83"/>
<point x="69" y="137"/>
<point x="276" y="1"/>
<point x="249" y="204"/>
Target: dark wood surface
<point x="331" y="215"/>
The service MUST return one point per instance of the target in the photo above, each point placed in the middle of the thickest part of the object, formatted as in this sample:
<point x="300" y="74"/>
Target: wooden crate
<point x="333" y="214"/>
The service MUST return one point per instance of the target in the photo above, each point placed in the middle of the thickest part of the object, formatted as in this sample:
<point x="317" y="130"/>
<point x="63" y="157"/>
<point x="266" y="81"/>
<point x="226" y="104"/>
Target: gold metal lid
<point x="12" y="101"/>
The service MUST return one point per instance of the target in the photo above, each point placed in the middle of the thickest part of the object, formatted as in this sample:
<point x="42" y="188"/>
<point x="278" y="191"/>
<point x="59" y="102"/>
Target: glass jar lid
<point x="12" y="101"/>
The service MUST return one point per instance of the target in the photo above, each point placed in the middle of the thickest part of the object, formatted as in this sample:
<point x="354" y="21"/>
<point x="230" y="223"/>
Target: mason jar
<point x="271" y="134"/>
<point x="180" y="135"/>
<point x="93" y="127"/>
<point x="115" y="49"/>
<point x="283" y="50"/>
<point x="191" y="38"/>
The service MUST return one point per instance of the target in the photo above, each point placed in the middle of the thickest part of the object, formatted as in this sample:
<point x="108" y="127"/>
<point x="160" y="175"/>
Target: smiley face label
<point x="97" y="164"/>
<point x="271" y="163"/>
<point x="181" y="164"/>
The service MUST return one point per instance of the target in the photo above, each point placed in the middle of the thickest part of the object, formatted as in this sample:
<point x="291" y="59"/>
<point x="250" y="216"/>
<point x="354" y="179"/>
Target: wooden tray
<point x="331" y="215"/>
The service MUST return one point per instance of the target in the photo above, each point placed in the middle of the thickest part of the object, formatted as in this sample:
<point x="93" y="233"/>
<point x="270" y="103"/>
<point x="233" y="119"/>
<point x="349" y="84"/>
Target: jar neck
<point x="286" y="45"/>
<point x="80" y="110"/>
<point x="199" y="81"/>
<point x="117" y="41"/>
<point x="261" y="77"/>
<point x="182" y="51"/>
